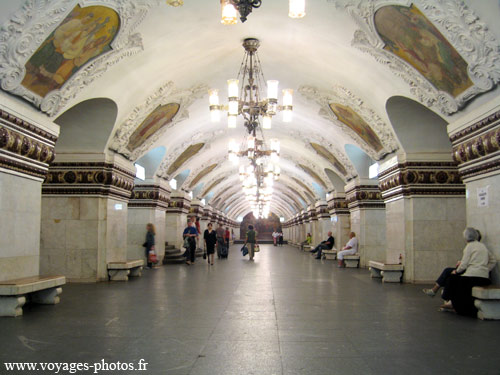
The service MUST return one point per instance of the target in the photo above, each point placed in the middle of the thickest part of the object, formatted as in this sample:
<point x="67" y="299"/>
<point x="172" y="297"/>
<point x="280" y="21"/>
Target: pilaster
<point x="176" y="217"/>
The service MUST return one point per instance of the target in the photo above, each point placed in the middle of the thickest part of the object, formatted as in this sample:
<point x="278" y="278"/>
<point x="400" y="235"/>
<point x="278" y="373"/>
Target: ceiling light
<point x="296" y="8"/>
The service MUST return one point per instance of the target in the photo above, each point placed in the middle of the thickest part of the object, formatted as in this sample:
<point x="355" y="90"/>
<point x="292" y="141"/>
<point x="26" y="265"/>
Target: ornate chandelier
<point x="251" y="105"/>
<point x="231" y="8"/>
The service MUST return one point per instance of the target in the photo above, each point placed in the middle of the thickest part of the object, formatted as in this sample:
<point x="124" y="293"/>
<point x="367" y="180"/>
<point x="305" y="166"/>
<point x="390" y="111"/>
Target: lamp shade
<point x="229" y="14"/>
<point x="266" y="122"/>
<point x="272" y="89"/>
<point x="231" y="121"/>
<point x="232" y="88"/>
<point x="213" y="97"/>
<point x="287" y="97"/>
<point x="296" y="8"/>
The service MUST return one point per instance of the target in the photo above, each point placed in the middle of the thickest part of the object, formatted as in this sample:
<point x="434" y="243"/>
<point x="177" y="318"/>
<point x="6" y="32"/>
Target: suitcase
<point x="224" y="252"/>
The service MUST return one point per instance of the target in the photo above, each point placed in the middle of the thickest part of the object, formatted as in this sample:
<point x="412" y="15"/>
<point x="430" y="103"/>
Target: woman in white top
<point x="473" y="270"/>
<point x="350" y="248"/>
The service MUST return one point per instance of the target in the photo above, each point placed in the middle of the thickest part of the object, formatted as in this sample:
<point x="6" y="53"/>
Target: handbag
<point x="186" y="242"/>
<point x="244" y="249"/>
<point x="205" y="254"/>
<point x="152" y="257"/>
<point x="256" y="249"/>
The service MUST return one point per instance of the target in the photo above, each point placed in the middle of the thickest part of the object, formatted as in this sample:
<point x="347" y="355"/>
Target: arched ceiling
<point x="164" y="59"/>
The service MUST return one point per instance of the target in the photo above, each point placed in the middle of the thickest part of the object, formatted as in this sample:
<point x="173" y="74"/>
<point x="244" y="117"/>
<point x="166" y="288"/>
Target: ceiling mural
<point x="357" y="124"/>
<point x="202" y="174"/>
<point x="408" y="34"/>
<point x="185" y="156"/>
<point x="329" y="156"/>
<point x="84" y="34"/>
<point x="437" y="42"/>
<point x="50" y="51"/>
<point x="156" y="120"/>
<point x="212" y="185"/>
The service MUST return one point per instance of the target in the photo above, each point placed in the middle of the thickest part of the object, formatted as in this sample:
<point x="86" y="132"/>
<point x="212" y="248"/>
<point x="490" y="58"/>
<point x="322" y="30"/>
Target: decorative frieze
<point x="322" y="211"/>
<point x="476" y="149"/>
<point x="427" y="178"/>
<point x="338" y="206"/>
<point x="149" y="196"/>
<point x="89" y="179"/>
<point x="24" y="147"/>
<point x="364" y="196"/>
<point x="178" y="204"/>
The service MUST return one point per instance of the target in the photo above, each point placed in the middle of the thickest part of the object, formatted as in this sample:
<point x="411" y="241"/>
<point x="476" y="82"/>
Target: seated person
<point x="307" y="242"/>
<point x="325" y="245"/>
<point x="350" y="248"/>
<point x="473" y="270"/>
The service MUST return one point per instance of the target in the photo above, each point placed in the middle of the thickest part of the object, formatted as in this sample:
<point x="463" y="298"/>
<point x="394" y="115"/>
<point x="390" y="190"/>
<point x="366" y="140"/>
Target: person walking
<point x="210" y="238"/>
<point x="280" y="238"/>
<point x="275" y="238"/>
<point x="191" y="234"/>
<point x="150" y="242"/>
<point x="251" y="239"/>
<point x="227" y="237"/>
<point x="220" y="239"/>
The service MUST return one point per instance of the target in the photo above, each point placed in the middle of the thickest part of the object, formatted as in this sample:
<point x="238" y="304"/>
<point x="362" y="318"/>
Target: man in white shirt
<point x="350" y="248"/>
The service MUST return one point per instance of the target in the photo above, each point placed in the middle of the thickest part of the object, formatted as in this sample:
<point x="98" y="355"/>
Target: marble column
<point x="148" y="204"/>
<point x="314" y="222"/>
<point x="367" y="215"/>
<point x="476" y="149"/>
<point x="324" y="223"/>
<point x="176" y="218"/>
<point x="206" y="217"/>
<point x="425" y="214"/>
<point x="26" y="150"/>
<point x="340" y="219"/>
<point x="85" y="214"/>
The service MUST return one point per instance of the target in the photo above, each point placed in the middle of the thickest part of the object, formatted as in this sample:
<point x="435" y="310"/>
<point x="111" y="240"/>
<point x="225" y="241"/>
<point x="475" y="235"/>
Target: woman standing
<point x="210" y="237"/>
<point x="251" y="239"/>
<point x="150" y="241"/>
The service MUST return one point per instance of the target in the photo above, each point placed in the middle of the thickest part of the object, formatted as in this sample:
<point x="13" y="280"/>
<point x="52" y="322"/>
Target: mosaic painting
<point x="313" y="174"/>
<point x="357" y="124"/>
<point x="187" y="154"/>
<point x="408" y="34"/>
<point x="82" y="36"/>
<point x="330" y="157"/>
<point x="202" y="174"/>
<point x="156" y="120"/>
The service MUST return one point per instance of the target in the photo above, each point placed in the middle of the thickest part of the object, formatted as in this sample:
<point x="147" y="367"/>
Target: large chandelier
<point x="246" y="99"/>
<point x="231" y="8"/>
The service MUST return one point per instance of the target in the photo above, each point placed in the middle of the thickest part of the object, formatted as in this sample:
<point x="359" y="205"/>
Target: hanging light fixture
<point x="231" y="8"/>
<point x="229" y="14"/>
<point x="245" y="98"/>
<point x="296" y="8"/>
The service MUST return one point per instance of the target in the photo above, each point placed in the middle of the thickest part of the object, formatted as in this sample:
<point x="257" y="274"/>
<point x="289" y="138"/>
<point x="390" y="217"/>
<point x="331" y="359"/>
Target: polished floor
<point x="284" y="313"/>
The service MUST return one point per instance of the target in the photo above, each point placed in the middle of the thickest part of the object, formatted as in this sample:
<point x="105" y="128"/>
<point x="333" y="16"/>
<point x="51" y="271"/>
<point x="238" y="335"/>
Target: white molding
<point x="460" y="26"/>
<point x="21" y="36"/>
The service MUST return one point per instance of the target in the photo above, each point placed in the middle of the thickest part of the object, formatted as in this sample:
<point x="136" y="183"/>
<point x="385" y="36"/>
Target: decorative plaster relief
<point x="458" y="24"/>
<point x="343" y="96"/>
<point x="164" y="95"/>
<point x="29" y="27"/>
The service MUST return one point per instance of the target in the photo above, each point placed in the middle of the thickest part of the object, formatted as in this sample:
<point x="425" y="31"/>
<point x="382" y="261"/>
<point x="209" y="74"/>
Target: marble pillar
<point x="367" y="216"/>
<point x="148" y="205"/>
<point x="26" y="150"/>
<point x="340" y="219"/>
<point x="176" y="218"/>
<point x="84" y="215"/>
<point x="206" y="218"/>
<point x="425" y="214"/>
<point x="476" y="149"/>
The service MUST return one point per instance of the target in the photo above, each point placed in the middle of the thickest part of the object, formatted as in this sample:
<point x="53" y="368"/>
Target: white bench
<point x="390" y="273"/>
<point x="14" y="294"/>
<point x="487" y="302"/>
<point x="120" y="271"/>
<point x="351" y="261"/>
<point x="306" y="247"/>
<point x="329" y="254"/>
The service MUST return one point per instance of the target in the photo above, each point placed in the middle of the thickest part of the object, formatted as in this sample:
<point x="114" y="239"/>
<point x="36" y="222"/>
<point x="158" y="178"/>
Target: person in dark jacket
<point x="150" y="241"/>
<point x="210" y="238"/>
<point x="192" y="234"/>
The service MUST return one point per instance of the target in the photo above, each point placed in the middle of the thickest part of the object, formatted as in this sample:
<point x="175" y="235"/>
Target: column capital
<point x="155" y="195"/>
<point x="365" y="196"/>
<point x="180" y="202"/>
<point x="338" y="206"/>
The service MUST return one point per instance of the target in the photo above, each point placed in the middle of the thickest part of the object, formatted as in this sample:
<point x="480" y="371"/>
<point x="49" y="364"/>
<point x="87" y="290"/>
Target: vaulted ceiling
<point x="356" y="101"/>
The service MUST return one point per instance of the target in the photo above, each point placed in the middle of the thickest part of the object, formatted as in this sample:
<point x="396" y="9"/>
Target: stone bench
<point x="14" y="294"/>
<point x="305" y="247"/>
<point x="351" y="261"/>
<point x="487" y="302"/>
<point x="120" y="271"/>
<point x="390" y="273"/>
<point x="329" y="254"/>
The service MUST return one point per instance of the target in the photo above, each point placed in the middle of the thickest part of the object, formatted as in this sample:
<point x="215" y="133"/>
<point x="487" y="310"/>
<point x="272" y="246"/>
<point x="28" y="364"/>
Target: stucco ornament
<point x="27" y="29"/>
<point x="165" y="94"/>
<point x="457" y="23"/>
<point x="218" y="160"/>
<point x="343" y="96"/>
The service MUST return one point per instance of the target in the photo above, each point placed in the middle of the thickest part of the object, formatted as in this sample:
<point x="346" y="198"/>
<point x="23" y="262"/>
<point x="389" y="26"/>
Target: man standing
<point x="191" y="234"/>
<point x="227" y="237"/>
<point x="220" y="239"/>
<point x="350" y="248"/>
<point x="325" y="245"/>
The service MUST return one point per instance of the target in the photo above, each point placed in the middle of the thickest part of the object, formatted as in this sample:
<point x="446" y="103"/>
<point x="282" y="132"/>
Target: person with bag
<point x="150" y="244"/>
<point x="210" y="238"/>
<point x="251" y="239"/>
<point x="190" y="235"/>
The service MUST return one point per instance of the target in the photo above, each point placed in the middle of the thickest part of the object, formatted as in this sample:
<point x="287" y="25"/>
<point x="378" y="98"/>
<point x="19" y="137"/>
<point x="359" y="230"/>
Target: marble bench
<point x="390" y="273"/>
<point x="14" y="294"/>
<point x="120" y="271"/>
<point x="351" y="261"/>
<point x="487" y="302"/>
<point x="329" y="254"/>
<point x="305" y="247"/>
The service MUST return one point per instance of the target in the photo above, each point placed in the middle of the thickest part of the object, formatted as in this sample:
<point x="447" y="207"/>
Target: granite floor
<point x="284" y="313"/>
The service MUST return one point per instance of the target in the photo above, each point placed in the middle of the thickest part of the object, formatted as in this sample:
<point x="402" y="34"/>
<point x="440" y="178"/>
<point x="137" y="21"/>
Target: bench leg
<point x="391" y="276"/>
<point x="12" y="305"/>
<point x="351" y="263"/>
<point x="488" y="310"/>
<point x="375" y="273"/>
<point x="137" y="271"/>
<point x="330" y="256"/>
<point x="46" y="297"/>
<point x="118" y="275"/>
